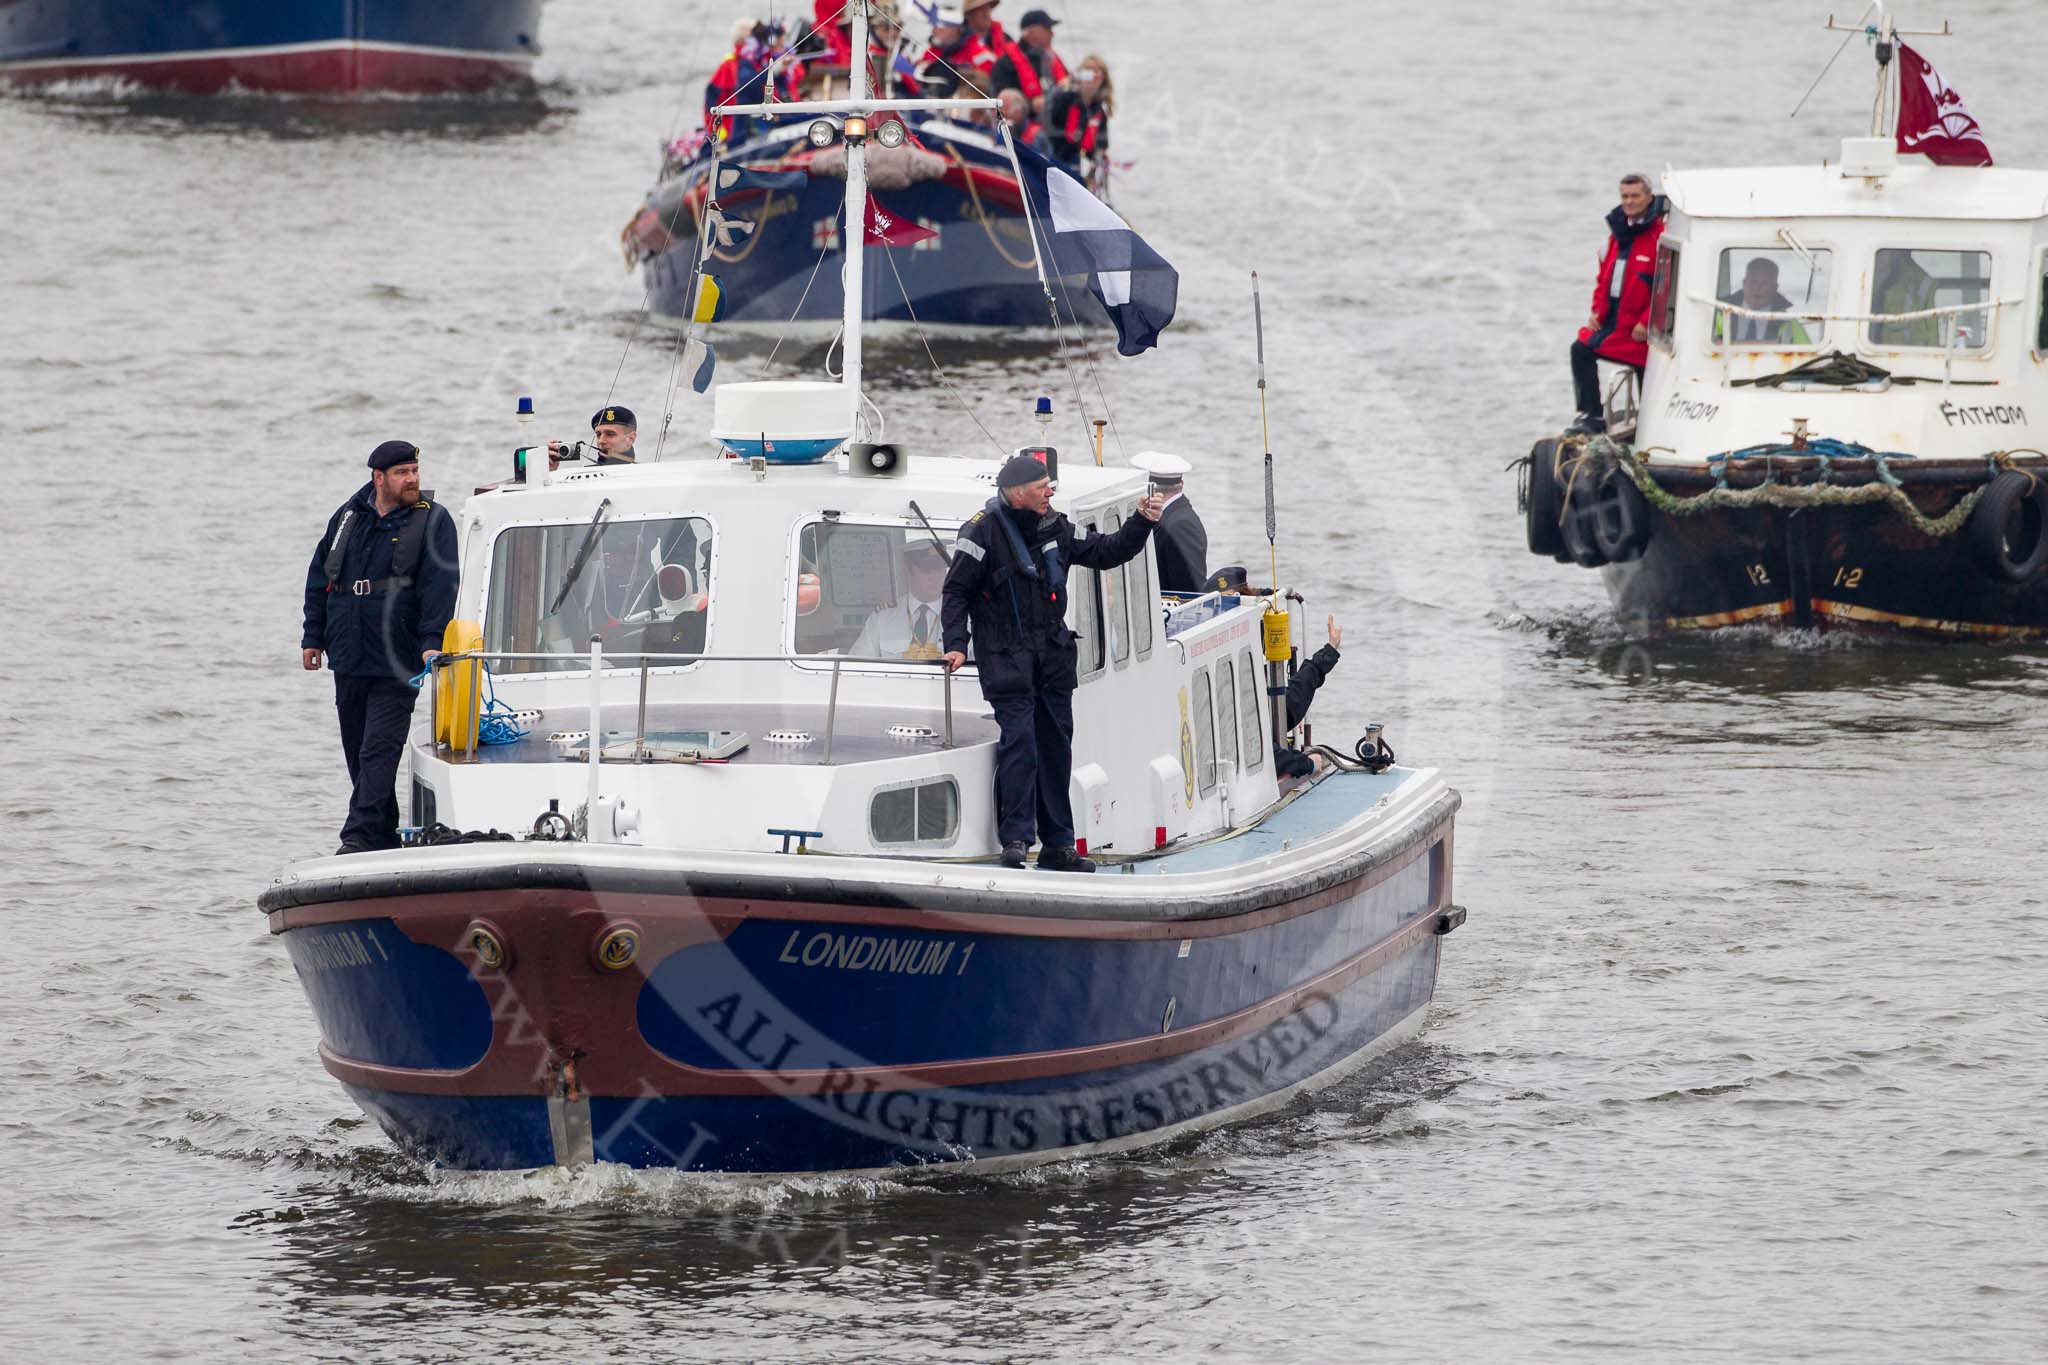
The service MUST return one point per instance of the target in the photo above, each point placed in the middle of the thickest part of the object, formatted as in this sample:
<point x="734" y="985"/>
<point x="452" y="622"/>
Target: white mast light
<point x="823" y="133"/>
<point x="890" y="134"/>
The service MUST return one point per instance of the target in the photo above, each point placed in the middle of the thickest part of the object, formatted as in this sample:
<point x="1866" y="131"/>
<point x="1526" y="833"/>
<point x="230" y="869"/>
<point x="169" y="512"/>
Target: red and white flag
<point x="886" y="229"/>
<point x="1933" y="120"/>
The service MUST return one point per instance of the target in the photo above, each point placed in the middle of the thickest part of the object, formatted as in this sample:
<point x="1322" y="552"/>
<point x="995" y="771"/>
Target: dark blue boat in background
<point x="976" y="270"/>
<point x="324" y="47"/>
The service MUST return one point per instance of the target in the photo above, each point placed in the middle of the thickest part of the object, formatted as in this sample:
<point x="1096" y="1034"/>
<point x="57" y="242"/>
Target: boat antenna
<point x="1885" y="35"/>
<point x="1265" y="432"/>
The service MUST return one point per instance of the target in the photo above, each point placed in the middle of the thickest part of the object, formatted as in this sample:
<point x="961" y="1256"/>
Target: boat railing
<point x="1765" y="315"/>
<point x="600" y="660"/>
<point x="1949" y="314"/>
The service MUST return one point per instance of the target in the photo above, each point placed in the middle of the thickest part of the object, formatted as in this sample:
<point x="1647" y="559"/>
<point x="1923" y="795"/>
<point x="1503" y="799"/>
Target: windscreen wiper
<point x="944" y="553"/>
<point x="582" y="557"/>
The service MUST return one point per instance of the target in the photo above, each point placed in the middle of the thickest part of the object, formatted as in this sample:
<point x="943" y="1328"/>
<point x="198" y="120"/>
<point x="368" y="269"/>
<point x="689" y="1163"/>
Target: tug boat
<point x="346" y="48"/>
<point x="754" y="921"/>
<point x="1841" y="420"/>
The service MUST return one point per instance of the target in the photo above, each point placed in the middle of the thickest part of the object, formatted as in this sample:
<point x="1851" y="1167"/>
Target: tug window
<point x="869" y="589"/>
<point x="1907" y="280"/>
<point x="1772" y="280"/>
<point x="1664" y="294"/>
<point x="1117" y="603"/>
<point x="1226" y="732"/>
<point x="922" y="813"/>
<point x="1204" y="722"/>
<point x="2041" y="328"/>
<point x="1248" y="685"/>
<point x="643" y="586"/>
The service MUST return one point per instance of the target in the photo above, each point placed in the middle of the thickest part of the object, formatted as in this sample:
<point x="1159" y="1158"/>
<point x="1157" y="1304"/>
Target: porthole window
<point x="918" y="814"/>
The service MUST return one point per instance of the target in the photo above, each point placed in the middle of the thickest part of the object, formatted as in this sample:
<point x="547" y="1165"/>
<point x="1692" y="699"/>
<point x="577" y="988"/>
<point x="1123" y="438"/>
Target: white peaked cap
<point x="1160" y="465"/>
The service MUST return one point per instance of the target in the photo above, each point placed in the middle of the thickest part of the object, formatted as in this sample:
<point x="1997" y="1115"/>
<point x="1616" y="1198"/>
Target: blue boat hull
<point x="757" y="1032"/>
<point x="977" y="271"/>
<point x="305" y="46"/>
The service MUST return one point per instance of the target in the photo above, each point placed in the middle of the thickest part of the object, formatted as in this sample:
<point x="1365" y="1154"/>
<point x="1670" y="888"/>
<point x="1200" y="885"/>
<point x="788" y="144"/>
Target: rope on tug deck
<point x="1597" y="453"/>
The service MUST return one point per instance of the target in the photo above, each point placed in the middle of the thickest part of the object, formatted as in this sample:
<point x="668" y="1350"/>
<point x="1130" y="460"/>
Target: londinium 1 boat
<point x="754" y="922"/>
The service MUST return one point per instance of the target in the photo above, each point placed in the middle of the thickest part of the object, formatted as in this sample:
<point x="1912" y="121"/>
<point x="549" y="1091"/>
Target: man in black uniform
<point x="613" y="431"/>
<point x="1007" y="589"/>
<point x="379" y="594"/>
<point x="1182" y="541"/>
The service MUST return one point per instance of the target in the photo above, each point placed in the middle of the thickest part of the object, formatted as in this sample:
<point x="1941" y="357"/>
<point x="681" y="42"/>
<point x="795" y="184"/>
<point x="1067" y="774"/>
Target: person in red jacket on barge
<point x="1618" y="328"/>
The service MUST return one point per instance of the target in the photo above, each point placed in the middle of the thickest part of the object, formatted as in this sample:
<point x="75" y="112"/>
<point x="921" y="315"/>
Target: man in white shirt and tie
<point x="911" y="629"/>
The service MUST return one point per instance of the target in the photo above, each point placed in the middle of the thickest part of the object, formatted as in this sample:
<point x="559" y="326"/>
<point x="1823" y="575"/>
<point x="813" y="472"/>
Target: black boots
<point x="1013" y="853"/>
<point x="1062" y="859"/>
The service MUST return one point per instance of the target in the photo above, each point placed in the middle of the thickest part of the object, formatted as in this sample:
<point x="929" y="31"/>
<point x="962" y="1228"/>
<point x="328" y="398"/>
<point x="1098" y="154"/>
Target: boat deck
<point x="1334" y="801"/>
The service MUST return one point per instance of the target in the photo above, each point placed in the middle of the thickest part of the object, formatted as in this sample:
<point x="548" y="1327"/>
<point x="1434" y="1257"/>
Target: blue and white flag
<point x="1128" y="278"/>
<point x="731" y="179"/>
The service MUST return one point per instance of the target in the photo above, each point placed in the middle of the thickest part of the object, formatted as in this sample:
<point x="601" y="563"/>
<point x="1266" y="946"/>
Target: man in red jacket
<point x="1618" y="328"/>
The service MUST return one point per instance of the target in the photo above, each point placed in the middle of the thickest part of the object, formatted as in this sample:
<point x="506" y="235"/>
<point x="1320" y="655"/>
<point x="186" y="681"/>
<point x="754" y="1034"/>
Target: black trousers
<point x="376" y="715"/>
<point x="1034" y="763"/>
<point x="1586" y="379"/>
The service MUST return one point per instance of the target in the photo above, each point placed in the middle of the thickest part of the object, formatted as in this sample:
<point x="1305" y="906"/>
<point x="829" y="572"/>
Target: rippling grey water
<point x="1742" y="1053"/>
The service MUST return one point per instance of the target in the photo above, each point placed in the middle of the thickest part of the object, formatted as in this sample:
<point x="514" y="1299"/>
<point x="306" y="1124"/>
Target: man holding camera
<point x="613" y="431"/>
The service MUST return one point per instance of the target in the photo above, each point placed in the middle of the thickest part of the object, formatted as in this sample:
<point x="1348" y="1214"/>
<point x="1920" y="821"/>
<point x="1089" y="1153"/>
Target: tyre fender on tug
<point x="1621" y="516"/>
<point x="2008" y="528"/>
<point x="1543" y="502"/>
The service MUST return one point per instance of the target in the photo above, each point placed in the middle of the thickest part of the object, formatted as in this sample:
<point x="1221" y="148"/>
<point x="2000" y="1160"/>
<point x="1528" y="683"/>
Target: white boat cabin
<point x="1937" y="274"/>
<point x="741" y="604"/>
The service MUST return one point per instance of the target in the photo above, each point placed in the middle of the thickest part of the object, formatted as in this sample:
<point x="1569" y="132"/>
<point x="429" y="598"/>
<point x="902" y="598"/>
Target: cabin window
<point x="1664" y="294"/>
<point x="1117" y="601"/>
<point x="1204" y="722"/>
<point x="1143" y="608"/>
<point x="1248" y="685"/>
<point x="1226" y="731"/>
<point x="1084" y="615"/>
<point x="925" y="813"/>
<point x="643" y="586"/>
<point x="1772" y="279"/>
<point x="1916" y="279"/>
<point x="869" y="589"/>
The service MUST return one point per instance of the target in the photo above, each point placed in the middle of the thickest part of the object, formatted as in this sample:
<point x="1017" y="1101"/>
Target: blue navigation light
<point x="525" y="406"/>
<point x="1044" y="407"/>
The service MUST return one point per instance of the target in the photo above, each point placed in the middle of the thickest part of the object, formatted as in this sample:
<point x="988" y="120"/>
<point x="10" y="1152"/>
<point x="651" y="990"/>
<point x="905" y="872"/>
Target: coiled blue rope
<point x="498" y="723"/>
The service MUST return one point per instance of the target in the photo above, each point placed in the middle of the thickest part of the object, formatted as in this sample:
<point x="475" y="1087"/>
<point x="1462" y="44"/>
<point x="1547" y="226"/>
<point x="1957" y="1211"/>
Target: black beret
<point x="394" y="452"/>
<point x="1019" y="470"/>
<point x="1230" y="578"/>
<point x="622" y="417"/>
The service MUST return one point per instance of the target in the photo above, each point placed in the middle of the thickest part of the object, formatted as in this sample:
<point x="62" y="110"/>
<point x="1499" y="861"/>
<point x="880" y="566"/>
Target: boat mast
<point x="1885" y="34"/>
<point x="856" y="229"/>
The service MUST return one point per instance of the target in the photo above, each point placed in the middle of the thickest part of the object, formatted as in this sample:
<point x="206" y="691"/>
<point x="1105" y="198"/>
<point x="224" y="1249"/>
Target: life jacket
<point x="1034" y="586"/>
<point x="405" y="557"/>
<point x="1082" y="125"/>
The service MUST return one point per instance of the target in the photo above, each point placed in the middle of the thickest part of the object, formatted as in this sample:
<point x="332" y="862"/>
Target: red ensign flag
<point x="886" y="229"/>
<point x="1933" y="120"/>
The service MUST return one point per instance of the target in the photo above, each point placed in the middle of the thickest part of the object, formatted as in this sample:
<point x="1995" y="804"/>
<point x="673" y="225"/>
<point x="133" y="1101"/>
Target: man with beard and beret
<point x="379" y="595"/>
<point x="613" y="431"/>
<point x="1006" y="595"/>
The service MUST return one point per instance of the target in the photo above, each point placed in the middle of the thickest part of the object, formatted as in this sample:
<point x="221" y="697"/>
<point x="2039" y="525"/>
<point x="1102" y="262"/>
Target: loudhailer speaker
<point x="868" y="461"/>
